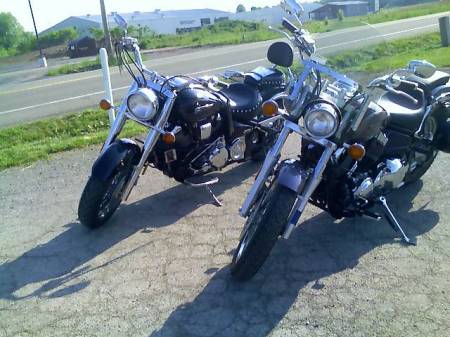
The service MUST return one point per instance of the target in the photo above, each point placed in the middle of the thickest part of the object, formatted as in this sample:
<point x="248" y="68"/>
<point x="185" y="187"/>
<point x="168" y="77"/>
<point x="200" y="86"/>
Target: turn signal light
<point x="356" y="152"/>
<point x="168" y="138"/>
<point x="105" y="104"/>
<point x="270" y="108"/>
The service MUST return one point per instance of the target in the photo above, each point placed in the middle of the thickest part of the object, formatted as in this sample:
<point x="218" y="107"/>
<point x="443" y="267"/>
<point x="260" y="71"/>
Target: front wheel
<point x="100" y="199"/>
<point x="261" y="232"/>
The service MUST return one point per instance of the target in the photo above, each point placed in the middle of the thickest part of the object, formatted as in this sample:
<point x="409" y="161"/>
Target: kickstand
<point x="390" y="217"/>
<point x="216" y="200"/>
<point x="207" y="184"/>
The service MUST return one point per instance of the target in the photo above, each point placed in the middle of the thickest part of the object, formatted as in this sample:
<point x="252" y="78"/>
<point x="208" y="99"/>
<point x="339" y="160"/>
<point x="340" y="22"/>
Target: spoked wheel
<point x="261" y="231"/>
<point x="421" y="167"/>
<point x="100" y="199"/>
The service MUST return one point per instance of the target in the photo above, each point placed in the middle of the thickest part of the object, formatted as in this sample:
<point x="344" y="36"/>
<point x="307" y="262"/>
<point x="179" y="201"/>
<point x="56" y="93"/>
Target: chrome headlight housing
<point x="143" y="104"/>
<point x="321" y="120"/>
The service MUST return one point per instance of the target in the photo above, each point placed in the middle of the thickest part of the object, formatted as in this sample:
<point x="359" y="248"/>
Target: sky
<point x="50" y="12"/>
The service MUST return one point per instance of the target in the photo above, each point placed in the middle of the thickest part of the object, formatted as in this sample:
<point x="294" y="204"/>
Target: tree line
<point x="15" y="40"/>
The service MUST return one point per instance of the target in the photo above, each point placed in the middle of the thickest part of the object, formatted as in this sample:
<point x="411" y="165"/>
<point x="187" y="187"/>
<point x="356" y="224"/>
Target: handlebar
<point x="289" y="26"/>
<point x="401" y="93"/>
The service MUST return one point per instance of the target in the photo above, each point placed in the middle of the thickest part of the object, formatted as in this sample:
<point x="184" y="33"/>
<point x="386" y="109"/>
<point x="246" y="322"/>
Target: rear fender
<point x="292" y="175"/>
<point x="121" y="151"/>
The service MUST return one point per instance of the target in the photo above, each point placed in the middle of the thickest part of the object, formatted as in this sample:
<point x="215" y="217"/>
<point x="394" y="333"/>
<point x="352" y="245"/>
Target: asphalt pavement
<point x="160" y="267"/>
<point x="26" y="101"/>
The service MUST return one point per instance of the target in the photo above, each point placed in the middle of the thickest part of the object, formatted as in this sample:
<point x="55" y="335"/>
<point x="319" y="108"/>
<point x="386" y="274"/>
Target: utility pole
<point x="108" y="43"/>
<point x="42" y="58"/>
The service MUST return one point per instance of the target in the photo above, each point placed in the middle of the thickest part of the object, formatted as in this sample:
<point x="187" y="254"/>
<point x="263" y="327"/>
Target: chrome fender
<point x="292" y="175"/>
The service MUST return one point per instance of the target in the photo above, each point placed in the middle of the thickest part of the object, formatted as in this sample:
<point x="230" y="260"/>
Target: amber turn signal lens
<point x="356" y="151"/>
<point x="169" y="138"/>
<point x="270" y="108"/>
<point x="105" y="104"/>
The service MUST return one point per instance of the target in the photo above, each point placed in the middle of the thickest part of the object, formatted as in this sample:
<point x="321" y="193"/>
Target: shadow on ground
<point x="58" y="260"/>
<point x="317" y="249"/>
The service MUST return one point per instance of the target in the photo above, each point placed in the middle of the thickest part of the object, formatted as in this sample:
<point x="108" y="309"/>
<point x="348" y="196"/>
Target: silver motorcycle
<point x="354" y="151"/>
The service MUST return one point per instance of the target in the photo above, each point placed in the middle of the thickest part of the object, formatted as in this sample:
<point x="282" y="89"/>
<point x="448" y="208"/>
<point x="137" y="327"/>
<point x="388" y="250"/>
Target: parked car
<point x="85" y="46"/>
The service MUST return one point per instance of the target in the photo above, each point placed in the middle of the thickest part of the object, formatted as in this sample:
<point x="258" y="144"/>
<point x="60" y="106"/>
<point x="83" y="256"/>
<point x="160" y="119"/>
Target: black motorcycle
<point x="354" y="151"/>
<point x="196" y="126"/>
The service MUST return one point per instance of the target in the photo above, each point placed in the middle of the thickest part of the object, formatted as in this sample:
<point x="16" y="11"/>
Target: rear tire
<point x="261" y="232"/>
<point x="422" y="169"/>
<point x="100" y="199"/>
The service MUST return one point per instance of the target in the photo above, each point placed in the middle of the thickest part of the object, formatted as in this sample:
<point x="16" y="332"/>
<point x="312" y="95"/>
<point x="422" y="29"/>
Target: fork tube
<point x="266" y="169"/>
<point x="303" y="199"/>
<point x="150" y="142"/>
<point x="119" y="121"/>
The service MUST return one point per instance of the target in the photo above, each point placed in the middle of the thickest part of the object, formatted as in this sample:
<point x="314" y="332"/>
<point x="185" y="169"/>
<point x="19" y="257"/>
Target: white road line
<point x="58" y="101"/>
<point x="121" y="88"/>
<point x="214" y="69"/>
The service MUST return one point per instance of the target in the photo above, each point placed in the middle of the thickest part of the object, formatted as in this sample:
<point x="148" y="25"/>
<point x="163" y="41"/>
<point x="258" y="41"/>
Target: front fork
<point x="150" y="141"/>
<point x="269" y="165"/>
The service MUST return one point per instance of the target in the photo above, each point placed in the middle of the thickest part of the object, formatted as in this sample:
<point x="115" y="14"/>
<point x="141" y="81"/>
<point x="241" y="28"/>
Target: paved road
<point x="51" y="96"/>
<point x="160" y="267"/>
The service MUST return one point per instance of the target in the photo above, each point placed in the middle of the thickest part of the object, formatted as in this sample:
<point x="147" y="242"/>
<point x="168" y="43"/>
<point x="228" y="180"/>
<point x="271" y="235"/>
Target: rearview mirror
<point x="292" y="7"/>
<point x="422" y="68"/>
<point x="121" y="22"/>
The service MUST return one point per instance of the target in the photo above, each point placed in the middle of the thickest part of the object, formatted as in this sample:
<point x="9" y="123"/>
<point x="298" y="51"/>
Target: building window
<point x="205" y="22"/>
<point x="187" y="22"/>
<point x="223" y="18"/>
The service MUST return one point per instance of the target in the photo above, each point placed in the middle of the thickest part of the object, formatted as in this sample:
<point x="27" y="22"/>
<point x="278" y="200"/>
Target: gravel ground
<point x="160" y="267"/>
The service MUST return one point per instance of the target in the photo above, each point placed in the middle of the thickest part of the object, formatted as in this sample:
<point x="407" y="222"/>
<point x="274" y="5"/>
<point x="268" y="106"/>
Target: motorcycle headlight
<point x="143" y="104"/>
<point x="321" y="120"/>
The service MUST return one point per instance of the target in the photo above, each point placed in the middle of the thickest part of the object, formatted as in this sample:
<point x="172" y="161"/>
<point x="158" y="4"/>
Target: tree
<point x="11" y="32"/>
<point x="240" y="8"/>
<point x="254" y="8"/>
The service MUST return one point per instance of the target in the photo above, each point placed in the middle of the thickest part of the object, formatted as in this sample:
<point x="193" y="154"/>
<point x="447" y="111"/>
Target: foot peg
<point x="205" y="182"/>
<point x="390" y="217"/>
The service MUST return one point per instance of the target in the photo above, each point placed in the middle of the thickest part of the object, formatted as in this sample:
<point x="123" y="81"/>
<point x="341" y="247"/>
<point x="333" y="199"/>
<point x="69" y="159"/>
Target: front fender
<point x="121" y="151"/>
<point x="292" y="175"/>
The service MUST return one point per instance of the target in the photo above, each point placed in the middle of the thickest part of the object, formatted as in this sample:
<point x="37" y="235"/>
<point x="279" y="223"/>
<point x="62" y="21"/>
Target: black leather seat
<point x="244" y="101"/>
<point x="431" y="83"/>
<point x="404" y="114"/>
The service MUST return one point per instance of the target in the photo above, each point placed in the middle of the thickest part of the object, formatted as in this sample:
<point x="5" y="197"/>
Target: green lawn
<point x="394" y="54"/>
<point x="24" y="144"/>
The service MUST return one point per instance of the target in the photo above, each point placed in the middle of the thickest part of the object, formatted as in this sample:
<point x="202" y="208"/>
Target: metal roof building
<point x="348" y="8"/>
<point x="161" y="22"/>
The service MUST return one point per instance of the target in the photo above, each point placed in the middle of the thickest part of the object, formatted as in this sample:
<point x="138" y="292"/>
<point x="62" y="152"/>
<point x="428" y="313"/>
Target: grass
<point x="384" y="15"/>
<point x="391" y="55"/>
<point x="222" y="33"/>
<point x="25" y="144"/>
<point x="76" y="68"/>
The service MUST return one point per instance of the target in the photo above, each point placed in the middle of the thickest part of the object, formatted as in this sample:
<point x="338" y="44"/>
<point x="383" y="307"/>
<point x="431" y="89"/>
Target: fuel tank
<point x="194" y="104"/>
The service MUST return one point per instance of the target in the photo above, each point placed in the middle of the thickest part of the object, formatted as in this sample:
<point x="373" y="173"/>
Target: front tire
<point x="100" y="199"/>
<point x="261" y="232"/>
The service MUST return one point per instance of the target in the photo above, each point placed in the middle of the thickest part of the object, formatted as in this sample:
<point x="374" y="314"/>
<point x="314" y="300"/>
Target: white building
<point x="272" y="15"/>
<point x="172" y="22"/>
